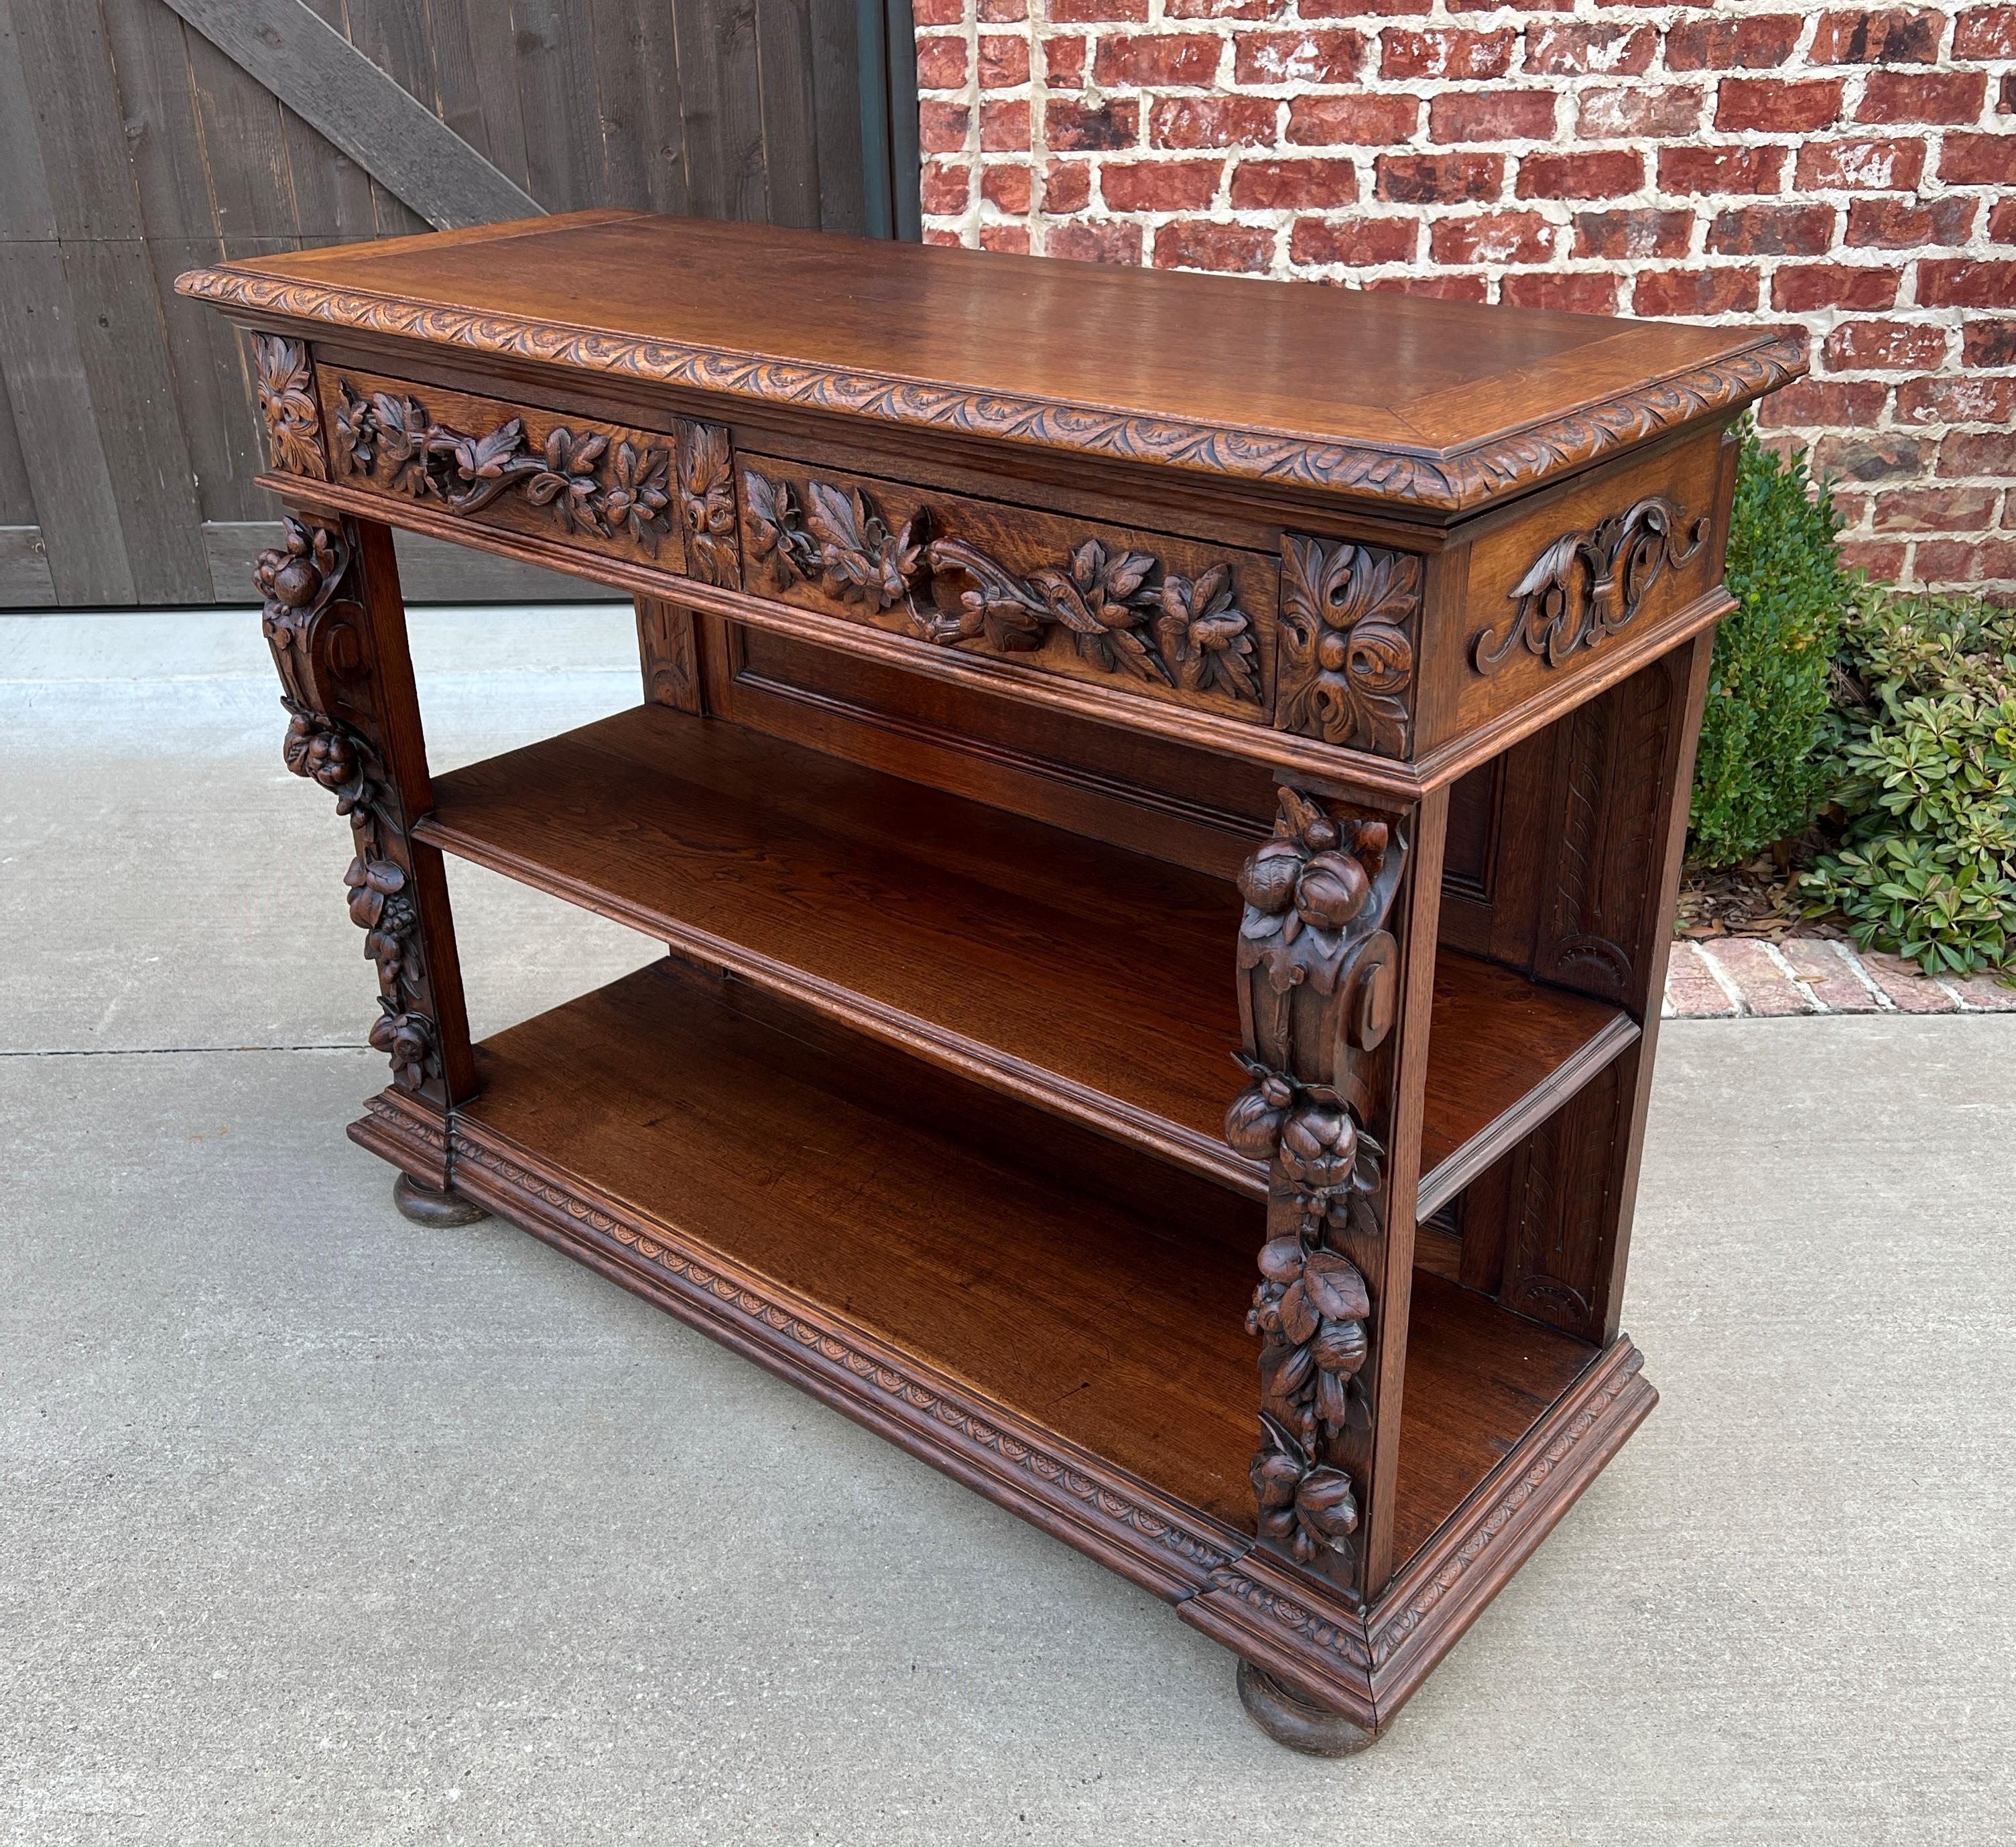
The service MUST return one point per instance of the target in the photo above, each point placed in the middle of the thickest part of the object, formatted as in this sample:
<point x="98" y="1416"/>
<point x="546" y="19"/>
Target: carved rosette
<point x="1348" y="616"/>
<point x="587" y="483"/>
<point x="1587" y="586"/>
<point x="1316" y="969"/>
<point x="300" y="585"/>
<point x="287" y="405"/>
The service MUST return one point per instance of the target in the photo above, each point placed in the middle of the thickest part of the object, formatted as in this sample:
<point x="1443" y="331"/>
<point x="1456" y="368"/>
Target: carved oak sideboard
<point x="1138" y="774"/>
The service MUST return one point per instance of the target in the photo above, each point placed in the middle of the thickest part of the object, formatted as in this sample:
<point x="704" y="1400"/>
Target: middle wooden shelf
<point x="1095" y="982"/>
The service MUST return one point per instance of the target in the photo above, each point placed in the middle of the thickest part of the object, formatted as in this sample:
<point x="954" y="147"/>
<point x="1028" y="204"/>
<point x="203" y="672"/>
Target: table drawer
<point x="604" y="487"/>
<point x="1171" y="618"/>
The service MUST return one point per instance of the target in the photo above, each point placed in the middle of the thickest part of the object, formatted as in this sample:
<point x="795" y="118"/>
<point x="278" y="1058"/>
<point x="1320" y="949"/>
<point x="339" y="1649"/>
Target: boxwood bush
<point x="1923" y="749"/>
<point x="1758" y="777"/>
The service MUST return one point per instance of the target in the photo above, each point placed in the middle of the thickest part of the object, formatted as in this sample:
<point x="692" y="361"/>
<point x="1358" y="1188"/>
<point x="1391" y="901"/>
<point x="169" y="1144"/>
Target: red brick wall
<point x="1853" y="166"/>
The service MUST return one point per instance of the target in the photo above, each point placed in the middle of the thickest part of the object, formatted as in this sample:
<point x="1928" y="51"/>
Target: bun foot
<point x="424" y="1206"/>
<point x="1290" y="1720"/>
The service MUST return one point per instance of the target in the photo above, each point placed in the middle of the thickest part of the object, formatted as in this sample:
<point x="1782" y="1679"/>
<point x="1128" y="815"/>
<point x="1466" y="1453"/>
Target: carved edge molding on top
<point x="1589" y="585"/>
<point x="287" y="405"/>
<point x="1448" y="483"/>
<point x="1348" y="616"/>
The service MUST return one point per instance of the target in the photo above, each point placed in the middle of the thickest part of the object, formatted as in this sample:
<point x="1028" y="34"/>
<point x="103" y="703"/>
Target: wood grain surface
<point x="1093" y="980"/>
<point x="1119" y="1326"/>
<point x="1443" y="405"/>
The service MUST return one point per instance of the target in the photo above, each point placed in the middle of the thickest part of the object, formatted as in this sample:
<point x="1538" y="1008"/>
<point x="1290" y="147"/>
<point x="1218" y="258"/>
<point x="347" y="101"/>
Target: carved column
<point x="333" y="616"/>
<point x="1318" y="1000"/>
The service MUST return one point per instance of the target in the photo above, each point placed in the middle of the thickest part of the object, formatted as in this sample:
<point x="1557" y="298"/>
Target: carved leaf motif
<point x="861" y="560"/>
<point x="467" y="473"/>
<point x="640" y="494"/>
<point x="707" y="499"/>
<point x="293" y="422"/>
<point x="1347" y="655"/>
<point x="1205" y="639"/>
<point x="567" y="481"/>
<point x="482" y="458"/>
<point x="356" y="431"/>
<point x="781" y="549"/>
<point x="403" y="431"/>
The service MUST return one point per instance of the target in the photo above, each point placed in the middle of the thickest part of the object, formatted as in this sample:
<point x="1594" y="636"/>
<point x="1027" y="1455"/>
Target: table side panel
<point x="1550" y="598"/>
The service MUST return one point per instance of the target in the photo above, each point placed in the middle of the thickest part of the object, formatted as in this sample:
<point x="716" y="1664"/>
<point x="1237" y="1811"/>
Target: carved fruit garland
<point x="297" y="583"/>
<point x="1315" y="894"/>
<point x="587" y="487"/>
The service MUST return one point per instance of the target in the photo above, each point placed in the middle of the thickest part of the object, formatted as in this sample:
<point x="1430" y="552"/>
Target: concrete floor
<point x="316" y="1528"/>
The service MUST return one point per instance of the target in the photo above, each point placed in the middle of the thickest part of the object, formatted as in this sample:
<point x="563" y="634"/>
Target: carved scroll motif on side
<point x="1349" y="613"/>
<point x="587" y="483"/>
<point x="1587" y="586"/>
<point x="287" y="405"/>
<point x="1126" y="615"/>
<point x="300" y="585"/>
<point x="1317" y="996"/>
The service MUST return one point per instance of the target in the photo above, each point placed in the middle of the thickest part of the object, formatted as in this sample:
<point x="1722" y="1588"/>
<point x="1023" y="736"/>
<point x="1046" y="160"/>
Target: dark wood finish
<point x="1439" y="408"/>
<point x="1301" y="1724"/>
<point x="438" y="1211"/>
<point x="861" y="893"/>
<point x="1504" y="1052"/>
<point x="333" y="618"/>
<point x="992" y="1319"/>
<point x="1018" y="662"/>
<point x="604" y="486"/>
<point x="1114" y="606"/>
<point x="1115" y="1326"/>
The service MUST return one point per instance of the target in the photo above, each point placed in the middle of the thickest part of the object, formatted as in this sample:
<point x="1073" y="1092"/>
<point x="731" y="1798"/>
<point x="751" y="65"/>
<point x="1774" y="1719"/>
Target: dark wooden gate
<point x="139" y="137"/>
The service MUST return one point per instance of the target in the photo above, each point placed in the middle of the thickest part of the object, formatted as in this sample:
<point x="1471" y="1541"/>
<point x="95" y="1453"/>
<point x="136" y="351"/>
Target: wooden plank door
<point x="142" y="138"/>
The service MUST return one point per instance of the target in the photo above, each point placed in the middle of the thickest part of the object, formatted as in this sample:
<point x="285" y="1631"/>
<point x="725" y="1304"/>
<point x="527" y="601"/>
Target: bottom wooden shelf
<point x="1058" y="1321"/>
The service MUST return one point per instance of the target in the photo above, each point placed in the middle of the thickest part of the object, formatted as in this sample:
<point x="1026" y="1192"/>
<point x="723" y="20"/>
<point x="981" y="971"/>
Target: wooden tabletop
<point x="1444" y="404"/>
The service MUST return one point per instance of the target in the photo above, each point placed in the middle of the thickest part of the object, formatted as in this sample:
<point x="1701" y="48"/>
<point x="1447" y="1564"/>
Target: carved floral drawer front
<point x="1170" y="619"/>
<point x="630" y="494"/>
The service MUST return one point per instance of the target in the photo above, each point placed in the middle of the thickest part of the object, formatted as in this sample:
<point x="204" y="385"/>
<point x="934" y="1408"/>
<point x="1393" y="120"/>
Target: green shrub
<point x="1757" y="777"/>
<point x="1925" y="748"/>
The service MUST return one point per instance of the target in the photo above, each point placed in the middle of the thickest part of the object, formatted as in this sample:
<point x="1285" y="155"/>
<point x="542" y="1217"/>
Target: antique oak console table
<point x="1138" y="774"/>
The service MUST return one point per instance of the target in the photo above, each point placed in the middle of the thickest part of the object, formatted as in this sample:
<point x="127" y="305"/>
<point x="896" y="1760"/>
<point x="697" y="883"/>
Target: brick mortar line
<point x="1892" y="544"/>
<point x="1776" y="956"/>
